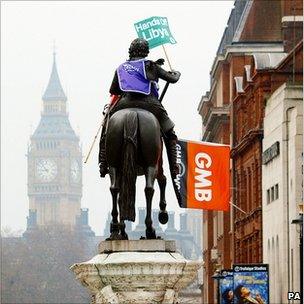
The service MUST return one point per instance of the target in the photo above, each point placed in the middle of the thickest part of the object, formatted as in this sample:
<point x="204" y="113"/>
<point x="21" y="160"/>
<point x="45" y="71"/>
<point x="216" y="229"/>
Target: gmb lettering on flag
<point x="204" y="179"/>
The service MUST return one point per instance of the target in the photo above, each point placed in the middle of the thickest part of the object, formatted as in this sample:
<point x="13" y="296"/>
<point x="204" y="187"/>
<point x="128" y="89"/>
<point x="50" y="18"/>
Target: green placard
<point x="155" y="30"/>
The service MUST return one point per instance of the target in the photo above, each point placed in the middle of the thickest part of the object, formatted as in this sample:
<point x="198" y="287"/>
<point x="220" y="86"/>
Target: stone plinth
<point x="137" y="246"/>
<point x="141" y="272"/>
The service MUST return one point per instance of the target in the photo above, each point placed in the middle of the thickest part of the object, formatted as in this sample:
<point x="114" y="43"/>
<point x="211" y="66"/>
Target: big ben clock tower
<point x="54" y="162"/>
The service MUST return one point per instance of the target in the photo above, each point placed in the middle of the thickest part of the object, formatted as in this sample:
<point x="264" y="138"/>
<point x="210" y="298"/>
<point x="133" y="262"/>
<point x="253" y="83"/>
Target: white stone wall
<point x="283" y="122"/>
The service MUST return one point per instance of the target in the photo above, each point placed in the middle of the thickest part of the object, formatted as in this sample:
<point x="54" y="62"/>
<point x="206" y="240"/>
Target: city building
<point x="194" y="225"/>
<point x="54" y="160"/>
<point x="242" y="80"/>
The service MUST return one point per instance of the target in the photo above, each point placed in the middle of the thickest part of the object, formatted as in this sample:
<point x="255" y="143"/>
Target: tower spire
<point x="54" y="50"/>
<point x="54" y="90"/>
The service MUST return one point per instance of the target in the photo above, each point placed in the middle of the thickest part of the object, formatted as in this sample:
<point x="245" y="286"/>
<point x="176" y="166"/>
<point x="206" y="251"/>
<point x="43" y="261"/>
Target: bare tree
<point x="35" y="268"/>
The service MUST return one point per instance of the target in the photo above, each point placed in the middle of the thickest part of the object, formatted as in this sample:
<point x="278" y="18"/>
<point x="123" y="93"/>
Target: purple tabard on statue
<point x="132" y="78"/>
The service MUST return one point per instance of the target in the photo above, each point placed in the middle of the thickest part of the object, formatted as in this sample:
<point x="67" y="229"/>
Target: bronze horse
<point x="134" y="147"/>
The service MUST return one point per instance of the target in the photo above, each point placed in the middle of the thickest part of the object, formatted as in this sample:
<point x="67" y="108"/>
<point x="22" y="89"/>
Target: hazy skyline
<point x="92" y="39"/>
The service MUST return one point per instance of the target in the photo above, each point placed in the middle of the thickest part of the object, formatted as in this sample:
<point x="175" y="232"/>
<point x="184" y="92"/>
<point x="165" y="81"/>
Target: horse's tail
<point x="129" y="168"/>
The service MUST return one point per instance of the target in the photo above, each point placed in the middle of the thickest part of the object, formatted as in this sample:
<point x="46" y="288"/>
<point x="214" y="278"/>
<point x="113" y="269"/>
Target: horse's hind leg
<point x="123" y="234"/>
<point x="162" y="182"/>
<point x="122" y="226"/>
<point x="149" y="191"/>
<point x="114" y="188"/>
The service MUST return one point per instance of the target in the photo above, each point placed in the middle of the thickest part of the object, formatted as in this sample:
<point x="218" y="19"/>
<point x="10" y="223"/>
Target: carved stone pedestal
<point x="141" y="272"/>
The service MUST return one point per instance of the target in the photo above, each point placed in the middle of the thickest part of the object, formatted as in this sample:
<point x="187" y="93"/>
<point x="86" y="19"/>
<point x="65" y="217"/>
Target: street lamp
<point x="217" y="276"/>
<point x="299" y="223"/>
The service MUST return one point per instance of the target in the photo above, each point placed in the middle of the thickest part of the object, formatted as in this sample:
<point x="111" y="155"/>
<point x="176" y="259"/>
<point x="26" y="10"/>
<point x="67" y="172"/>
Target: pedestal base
<point x="126" y="272"/>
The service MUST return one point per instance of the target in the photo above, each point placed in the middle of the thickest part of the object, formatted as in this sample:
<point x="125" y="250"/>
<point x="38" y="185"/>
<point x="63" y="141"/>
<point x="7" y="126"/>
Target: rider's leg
<point x="102" y="162"/>
<point x="170" y="140"/>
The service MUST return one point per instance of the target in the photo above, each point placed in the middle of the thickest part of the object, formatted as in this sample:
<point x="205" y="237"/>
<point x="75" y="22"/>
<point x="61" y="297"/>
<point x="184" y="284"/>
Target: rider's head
<point x="139" y="48"/>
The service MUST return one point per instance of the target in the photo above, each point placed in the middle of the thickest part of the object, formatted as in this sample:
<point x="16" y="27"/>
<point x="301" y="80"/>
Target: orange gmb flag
<point x="204" y="179"/>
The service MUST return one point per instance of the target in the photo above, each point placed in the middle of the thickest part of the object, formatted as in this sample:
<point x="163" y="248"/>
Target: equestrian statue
<point x="131" y="139"/>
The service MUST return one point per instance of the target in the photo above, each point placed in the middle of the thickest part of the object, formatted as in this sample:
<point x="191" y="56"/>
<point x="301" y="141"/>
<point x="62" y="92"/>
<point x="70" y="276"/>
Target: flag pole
<point x="106" y="111"/>
<point x="164" y="92"/>
<point x="167" y="84"/>
<point x="164" y="49"/>
<point x="93" y="143"/>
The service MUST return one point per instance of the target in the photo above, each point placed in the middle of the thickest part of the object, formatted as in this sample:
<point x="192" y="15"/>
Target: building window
<point x="215" y="231"/>
<point x="243" y="193"/>
<point x="276" y="191"/>
<point x="221" y="223"/>
<point x="268" y="196"/>
<point x="249" y="190"/>
<point x="272" y="194"/>
<point x="250" y="249"/>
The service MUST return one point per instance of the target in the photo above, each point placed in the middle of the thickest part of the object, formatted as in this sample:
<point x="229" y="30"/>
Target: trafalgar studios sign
<point x="155" y="30"/>
<point x="245" y="283"/>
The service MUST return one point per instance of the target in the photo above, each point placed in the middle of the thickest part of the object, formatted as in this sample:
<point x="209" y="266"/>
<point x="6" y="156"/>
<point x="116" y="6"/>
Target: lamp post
<point x="299" y="222"/>
<point x="217" y="276"/>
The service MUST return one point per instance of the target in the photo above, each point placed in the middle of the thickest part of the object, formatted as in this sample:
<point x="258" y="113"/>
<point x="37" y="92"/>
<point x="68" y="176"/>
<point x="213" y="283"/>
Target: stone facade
<point x="282" y="188"/>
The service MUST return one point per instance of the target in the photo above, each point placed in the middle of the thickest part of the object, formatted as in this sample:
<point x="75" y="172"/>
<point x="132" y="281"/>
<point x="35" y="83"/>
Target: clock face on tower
<point x="46" y="169"/>
<point x="75" y="171"/>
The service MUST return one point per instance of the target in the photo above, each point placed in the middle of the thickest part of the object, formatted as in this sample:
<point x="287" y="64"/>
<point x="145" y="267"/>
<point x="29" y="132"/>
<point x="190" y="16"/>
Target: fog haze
<point x="91" y="40"/>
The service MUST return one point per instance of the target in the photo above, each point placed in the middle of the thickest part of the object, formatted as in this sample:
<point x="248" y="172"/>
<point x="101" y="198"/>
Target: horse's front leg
<point x="149" y="191"/>
<point x="163" y="214"/>
<point x="114" y="188"/>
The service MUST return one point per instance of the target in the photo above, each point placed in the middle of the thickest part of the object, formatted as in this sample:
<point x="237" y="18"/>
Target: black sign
<point x="271" y="153"/>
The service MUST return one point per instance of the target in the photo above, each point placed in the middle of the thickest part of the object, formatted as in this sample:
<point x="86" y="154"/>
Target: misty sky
<point x="92" y="39"/>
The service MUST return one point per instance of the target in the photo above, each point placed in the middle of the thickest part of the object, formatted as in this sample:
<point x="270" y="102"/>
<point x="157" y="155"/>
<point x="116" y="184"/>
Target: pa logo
<point x="291" y="295"/>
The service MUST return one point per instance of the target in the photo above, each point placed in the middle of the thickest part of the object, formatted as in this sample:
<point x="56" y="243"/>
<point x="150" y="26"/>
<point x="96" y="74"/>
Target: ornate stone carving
<point x="126" y="277"/>
<point x="106" y="295"/>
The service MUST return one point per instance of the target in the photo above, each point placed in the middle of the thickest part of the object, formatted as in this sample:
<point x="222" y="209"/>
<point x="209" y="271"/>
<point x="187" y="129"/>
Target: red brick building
<point x="244" y="73"/>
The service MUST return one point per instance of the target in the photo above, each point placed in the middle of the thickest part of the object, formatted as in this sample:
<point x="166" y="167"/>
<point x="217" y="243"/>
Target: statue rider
<point x="136" y="83"/>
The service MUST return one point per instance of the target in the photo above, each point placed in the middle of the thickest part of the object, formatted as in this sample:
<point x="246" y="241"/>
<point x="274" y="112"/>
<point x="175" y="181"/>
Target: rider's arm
<point x="115" y="89"/>
<point x="170" y="77"/>
<point x="154" y="71"/>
